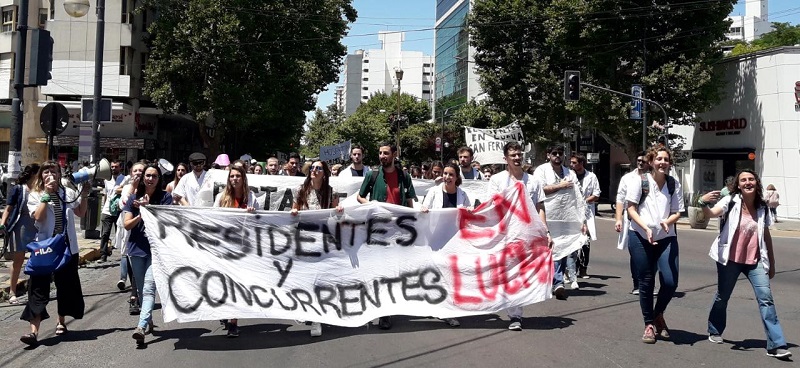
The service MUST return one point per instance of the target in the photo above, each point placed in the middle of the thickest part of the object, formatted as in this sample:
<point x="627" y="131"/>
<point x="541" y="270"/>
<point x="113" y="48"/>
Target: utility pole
<point x="15" y="146"/>
<point x="98" y="80"/>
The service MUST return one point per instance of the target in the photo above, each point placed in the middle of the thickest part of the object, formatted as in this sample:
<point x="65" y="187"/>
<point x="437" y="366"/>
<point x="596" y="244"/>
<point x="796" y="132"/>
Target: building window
<point x="366" y="70"/>
<point x="52" y="10"/>
<point x="426" y="65"/>
<point x="365" y="88"/>
<point x="736" y="30"/>
<point x="9" y="18"/>
<point x="364" y="97"/>
<point x="366" y="61"/>
<point x="125" y="60"/>
<point x="127" y="11"/>
<point x="426" y="83"/>
<point x="365" y="79"/>
<point x="43" y="14"/>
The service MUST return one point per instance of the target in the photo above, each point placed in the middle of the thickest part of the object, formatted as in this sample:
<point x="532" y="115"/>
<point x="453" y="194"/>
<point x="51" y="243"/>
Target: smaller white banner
<point x="340" y="151"/>
<point x="488" y="143"/>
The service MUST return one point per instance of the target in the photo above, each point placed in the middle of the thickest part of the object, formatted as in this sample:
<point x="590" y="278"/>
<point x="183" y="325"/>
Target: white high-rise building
<point x="372" y="71"/>
<point x="752" y="24"/>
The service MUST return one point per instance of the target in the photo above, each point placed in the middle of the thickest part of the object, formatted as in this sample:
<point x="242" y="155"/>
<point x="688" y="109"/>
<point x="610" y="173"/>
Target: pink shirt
<point x="744" y="245"/>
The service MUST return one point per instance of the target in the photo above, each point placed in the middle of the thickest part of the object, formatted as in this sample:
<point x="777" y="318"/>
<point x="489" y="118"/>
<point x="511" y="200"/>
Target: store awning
<point x="737" y="154"/>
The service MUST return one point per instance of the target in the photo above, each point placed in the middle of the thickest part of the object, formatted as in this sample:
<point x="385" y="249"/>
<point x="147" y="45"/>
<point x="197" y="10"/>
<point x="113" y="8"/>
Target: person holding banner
<point x="389" y="185"/>
<point x="127" y="189"/>
<point x="447" y="195"/>
<point x="357" y="168"/>
<point x="147" y="191"/>
<point x="236" y="195"/>
<point x="467" y="171"/>
<point x="653" y="240"/>
<point x="512" y="151"/>
<point x="316" y="194"/>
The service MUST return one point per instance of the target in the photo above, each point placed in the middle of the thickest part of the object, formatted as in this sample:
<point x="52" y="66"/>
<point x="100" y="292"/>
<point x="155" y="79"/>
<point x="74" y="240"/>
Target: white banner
<point x="488" y="143"/>
<point x="340" y="151"/>
<point x="373" y="260"/>
<point x="566" y="212"/>
<point x="280" y="189"/>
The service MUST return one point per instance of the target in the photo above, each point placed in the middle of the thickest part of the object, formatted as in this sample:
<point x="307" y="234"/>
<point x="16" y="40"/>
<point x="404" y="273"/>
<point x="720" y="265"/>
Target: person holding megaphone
<point x="53" y="208"/>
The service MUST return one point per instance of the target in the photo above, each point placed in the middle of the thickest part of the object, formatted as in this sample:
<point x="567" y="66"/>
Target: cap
<point x="197" y="156"/>
<point x="246" y="157"/>
<point x="222" y="160"/>
<point x="253" y="162"/>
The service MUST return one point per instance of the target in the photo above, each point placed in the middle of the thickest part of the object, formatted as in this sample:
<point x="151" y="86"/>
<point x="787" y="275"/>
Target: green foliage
<point x="670" y="47"/>
<point x="252" y="66"/>
<point x="373" y="123"/>
<point x="783" y="34"/>
<point x="322" y="131"/>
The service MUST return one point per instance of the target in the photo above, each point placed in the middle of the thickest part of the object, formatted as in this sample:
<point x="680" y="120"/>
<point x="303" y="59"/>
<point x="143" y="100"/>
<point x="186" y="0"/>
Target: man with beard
<point x="357" y="168"/>
<point x="468" y="172"/>
<point x="273" y="166"/>
<point x="590" y="188"/>
<point x="189" y="185"/>
<point x="512" y="152"/>
<point x="390" y="184"/>
<point x="293" y="165"/>
<point x="554" y="177"/>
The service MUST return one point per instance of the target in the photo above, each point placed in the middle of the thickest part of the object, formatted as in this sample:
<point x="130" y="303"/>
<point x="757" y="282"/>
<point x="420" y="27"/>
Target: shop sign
<point x="724" y="127"/>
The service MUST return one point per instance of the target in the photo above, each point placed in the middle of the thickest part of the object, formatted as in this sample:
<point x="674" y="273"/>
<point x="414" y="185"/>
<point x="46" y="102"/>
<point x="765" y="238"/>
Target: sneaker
<point x="102" y="259"/>
<point x="661" y="327"/>
<point x="516" y="324"/>
<point x="452" y="322"/>
<point x="316" y="329"/>
<point x="582" y="274"/>
<point x="138" y="335"/>
<point x="655" y="292"/>
<point x="574" y="285"/>
<point x="780" y="353"/>
<point x="560" y="292"/>
<point x="233" y="330"/>
<point x="635" y="291"/>
<point x="717" y="339"/>
<point x="121" y="285"/>
<point x="649" y="336"/>
<point x="133" y="308"/>
<point x="224" y="323"/>
<point x="384" y="323"/>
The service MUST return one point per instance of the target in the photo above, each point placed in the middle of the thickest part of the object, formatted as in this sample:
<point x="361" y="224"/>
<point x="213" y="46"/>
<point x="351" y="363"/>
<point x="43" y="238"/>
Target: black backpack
<point x="646" y="187"/>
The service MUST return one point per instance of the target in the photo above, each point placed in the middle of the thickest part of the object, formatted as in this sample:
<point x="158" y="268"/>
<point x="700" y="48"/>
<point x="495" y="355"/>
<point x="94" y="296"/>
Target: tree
<point x="783" y="34"/>
<point x="670" y="47"/>
<point x="322" y="130"/>
<point x="250" y="67"/>
<point x="374" y="122"/>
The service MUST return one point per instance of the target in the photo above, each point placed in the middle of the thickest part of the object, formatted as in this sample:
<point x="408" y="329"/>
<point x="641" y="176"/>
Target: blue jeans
<point x="649" y="259"/>
<point x="146" y="286"/>
<point x="558" y="272"/>
<point x="572" y="266"/>
<point x="759" y="279"/>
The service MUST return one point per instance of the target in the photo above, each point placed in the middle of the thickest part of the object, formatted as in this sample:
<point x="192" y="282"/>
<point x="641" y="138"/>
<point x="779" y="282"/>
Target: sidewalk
<point x="89" y="250"/>
<point x="782" y="228"/>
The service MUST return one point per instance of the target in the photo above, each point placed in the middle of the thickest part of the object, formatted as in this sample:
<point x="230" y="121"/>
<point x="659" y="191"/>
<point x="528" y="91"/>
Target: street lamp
<point x="398" y="73"/>
<point x="444" y="144"/>
<point x="77" y="9"/>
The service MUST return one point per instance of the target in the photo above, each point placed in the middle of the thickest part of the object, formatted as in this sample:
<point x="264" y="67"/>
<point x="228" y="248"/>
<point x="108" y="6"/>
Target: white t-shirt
<point x="189" y="186"/>
<point x="108" y="190"/>
<point x="545" y="175"/>
<point x="656" y="207"/>
<point x="502" y="180"/>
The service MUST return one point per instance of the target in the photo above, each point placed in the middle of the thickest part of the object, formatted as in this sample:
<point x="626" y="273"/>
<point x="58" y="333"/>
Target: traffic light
<point x="41" y="57"/>
<point x="572" y="85"/>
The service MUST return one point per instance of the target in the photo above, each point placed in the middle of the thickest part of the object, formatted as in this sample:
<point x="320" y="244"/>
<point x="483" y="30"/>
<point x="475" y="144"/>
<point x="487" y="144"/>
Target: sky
<point x="416" y="17"/>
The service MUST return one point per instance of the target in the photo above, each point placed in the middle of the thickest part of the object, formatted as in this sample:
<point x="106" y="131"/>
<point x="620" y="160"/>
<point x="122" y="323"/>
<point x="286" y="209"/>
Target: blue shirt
<point x="138" y="244"/>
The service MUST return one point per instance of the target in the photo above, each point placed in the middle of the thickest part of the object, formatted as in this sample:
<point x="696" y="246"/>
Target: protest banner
<point x="339" y="151"/>
<point x="276" y="192"/>
<point x="566" y="212"/>
<point x="488" y="143"/>
<point x="347" y="269"/>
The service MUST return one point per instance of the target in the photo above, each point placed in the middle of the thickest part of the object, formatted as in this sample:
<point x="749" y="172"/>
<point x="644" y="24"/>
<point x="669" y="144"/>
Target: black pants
<point x="108" y="222"/>
<point x="583" y="257"/>
<point x="69" y="295"/>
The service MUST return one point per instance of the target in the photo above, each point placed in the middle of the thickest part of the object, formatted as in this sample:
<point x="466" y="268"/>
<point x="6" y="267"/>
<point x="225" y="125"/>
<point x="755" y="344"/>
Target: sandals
<point x="29" y="339"/>
<point x="61" y="329"/>
<point x="13" y="300"/>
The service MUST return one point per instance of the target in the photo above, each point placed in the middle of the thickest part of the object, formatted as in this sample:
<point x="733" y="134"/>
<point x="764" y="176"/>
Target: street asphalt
<point x="600" y="325"/>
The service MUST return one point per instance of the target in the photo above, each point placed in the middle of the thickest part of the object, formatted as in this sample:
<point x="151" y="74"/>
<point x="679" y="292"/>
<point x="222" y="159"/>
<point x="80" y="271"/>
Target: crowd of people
<point x="649" y="203"/>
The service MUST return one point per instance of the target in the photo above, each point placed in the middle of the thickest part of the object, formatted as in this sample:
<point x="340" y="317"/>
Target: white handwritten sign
<point x="488" y="143"/>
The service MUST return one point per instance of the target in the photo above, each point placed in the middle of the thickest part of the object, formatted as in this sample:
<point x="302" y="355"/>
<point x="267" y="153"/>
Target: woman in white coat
<point x="744" y="246"/>
<point x="448" y="194"/>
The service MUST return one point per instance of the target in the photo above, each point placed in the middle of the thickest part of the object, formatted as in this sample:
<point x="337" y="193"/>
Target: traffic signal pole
<point x="15" y="145"/>
<point x="666" y="118"/>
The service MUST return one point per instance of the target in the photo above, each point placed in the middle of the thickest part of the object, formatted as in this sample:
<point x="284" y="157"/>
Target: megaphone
<point x="100" y="171"/>
<point x="165" y="166"/>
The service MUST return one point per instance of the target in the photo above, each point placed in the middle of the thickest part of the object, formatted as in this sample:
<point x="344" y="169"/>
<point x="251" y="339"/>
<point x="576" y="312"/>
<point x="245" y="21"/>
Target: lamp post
<point x="398" y="73"/>
<point x="441" y="156"/>
<point x="77" y="9"/>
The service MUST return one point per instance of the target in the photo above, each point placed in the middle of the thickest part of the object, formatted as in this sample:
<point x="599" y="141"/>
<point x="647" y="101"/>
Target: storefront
<point x="755" y="126"/>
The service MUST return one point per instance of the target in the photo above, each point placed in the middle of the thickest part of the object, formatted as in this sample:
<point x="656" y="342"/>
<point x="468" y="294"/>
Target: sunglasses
<point x="199" y="162"/>
<point x="317" y="168"/>
<point x="556" y="153"/>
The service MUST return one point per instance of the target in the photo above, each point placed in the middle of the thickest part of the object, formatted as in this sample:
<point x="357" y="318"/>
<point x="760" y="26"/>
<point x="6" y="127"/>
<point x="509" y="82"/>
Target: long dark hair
<point x="759" y="187"/>
<point x="229" y="194"/>
<point x="27" y="174"/>
<point x="158" y="195"/>
<point x="457" y="169"/>
<point x="325" y="190"/>
<point x="185" y="167"/>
